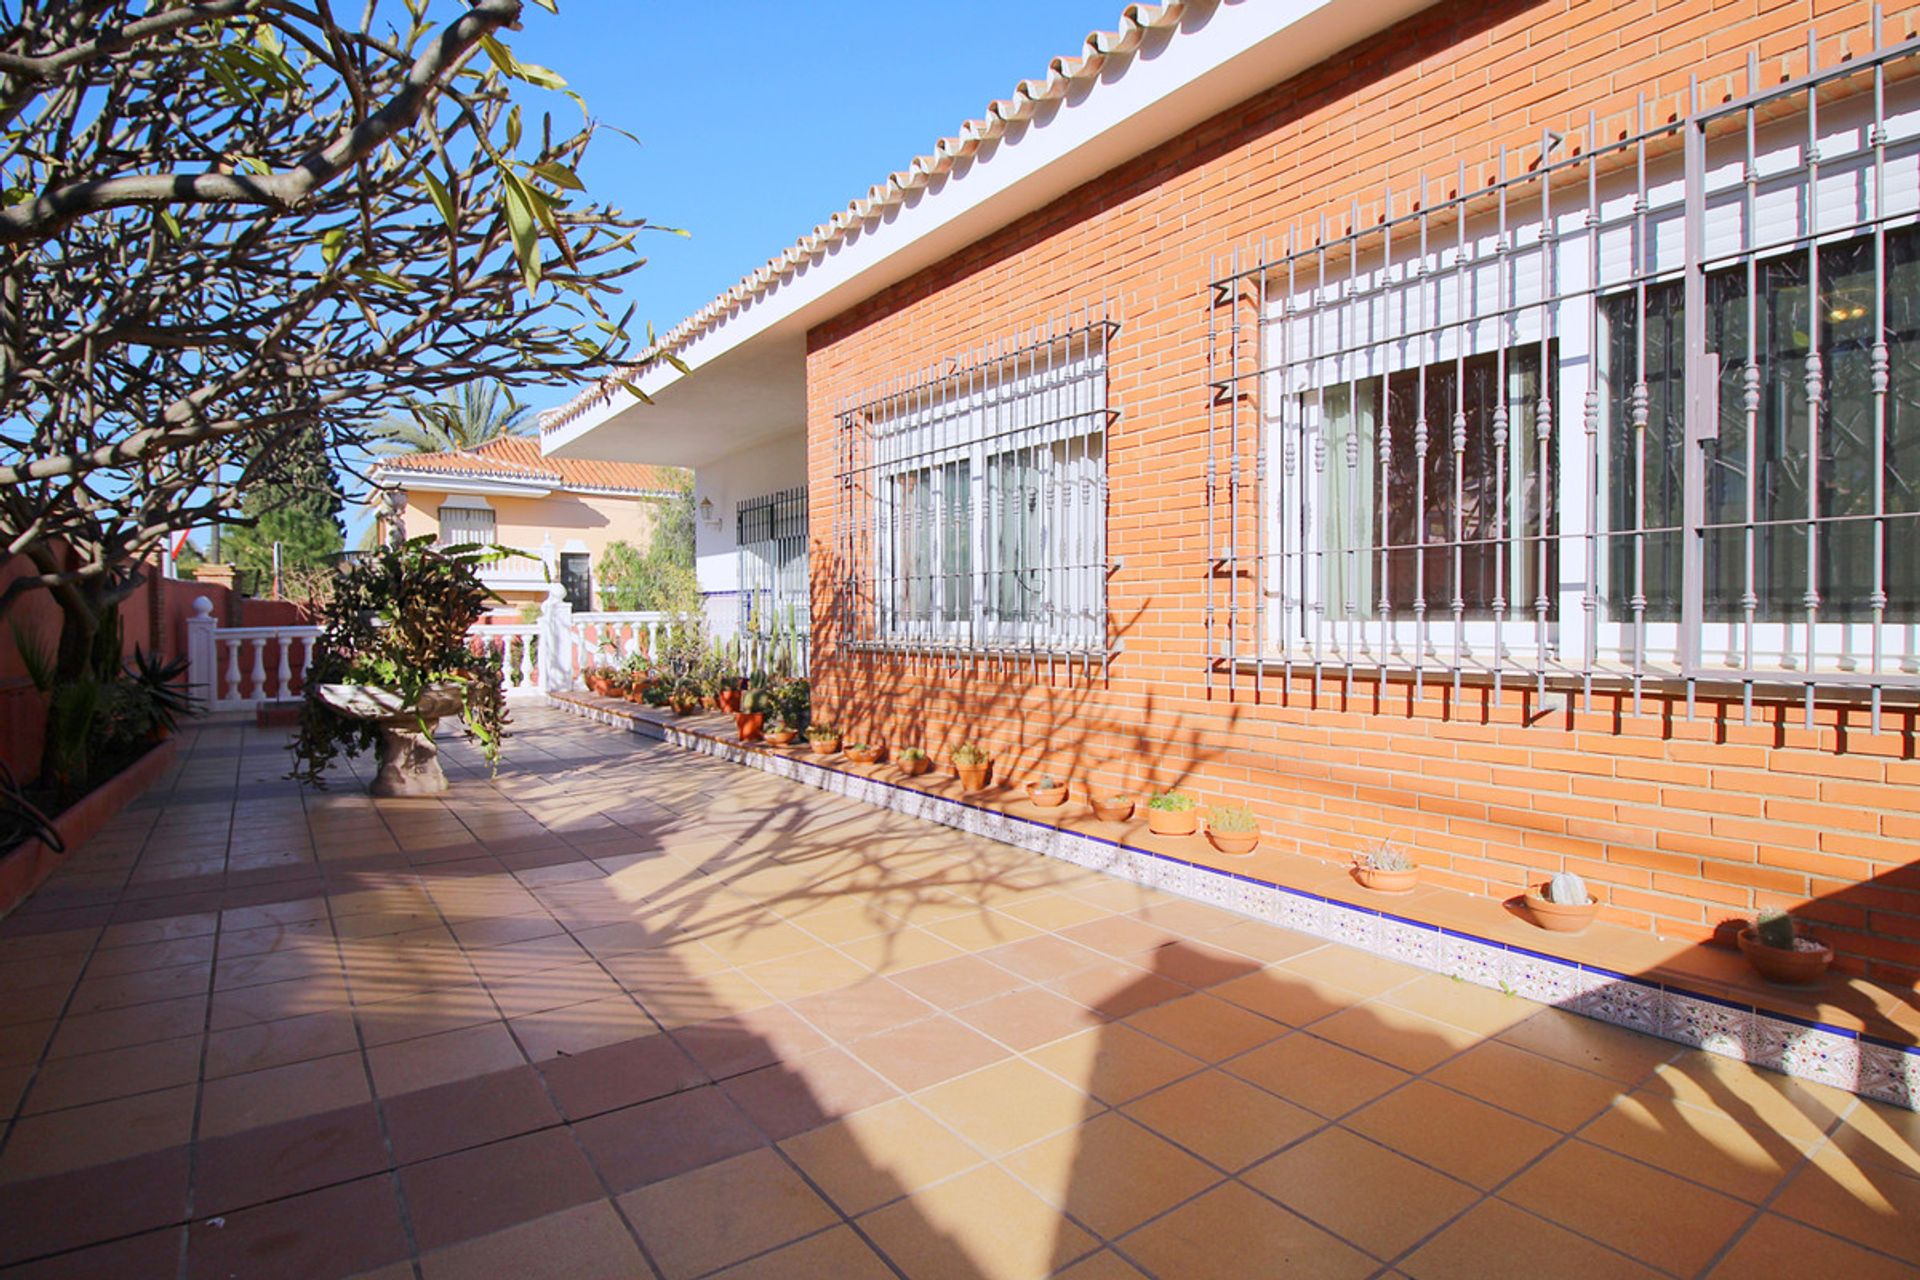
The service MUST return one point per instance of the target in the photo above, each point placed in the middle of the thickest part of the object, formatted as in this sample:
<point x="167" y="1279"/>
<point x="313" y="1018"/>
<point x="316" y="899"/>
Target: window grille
<point x="1644" y="408"/>
<point x="973" y="502"/>
<point x="774" y="613"/>
<point x="463" y="525"/>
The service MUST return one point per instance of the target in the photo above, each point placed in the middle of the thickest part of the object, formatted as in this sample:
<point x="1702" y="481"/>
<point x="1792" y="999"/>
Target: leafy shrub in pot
<point x="823" y="738"/>
<point x="1233" y="829"/>
<point x="1112" y="807"/>
<point x="913" y="762"/>
<point x="973" y="765"/>
<point x="1172" y="814"/>
<point x="1385" y="869"/>
<point x="865" y="752"/>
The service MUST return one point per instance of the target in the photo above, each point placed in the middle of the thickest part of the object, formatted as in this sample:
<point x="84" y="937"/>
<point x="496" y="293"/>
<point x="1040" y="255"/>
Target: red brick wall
<point x="1678" y="822"/>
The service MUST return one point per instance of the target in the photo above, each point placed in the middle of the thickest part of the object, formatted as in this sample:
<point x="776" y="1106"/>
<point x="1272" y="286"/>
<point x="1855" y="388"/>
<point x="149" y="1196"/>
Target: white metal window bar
<point x="774" y="611"/>
<point x="1642" y="409"/>
<point x="460" y="525"/>
<point x="972" y="501"/>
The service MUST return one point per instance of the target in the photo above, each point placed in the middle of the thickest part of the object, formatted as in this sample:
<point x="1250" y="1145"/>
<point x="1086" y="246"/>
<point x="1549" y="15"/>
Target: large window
<point x="775" y="618"/>
<point x="980" y="502"/>
<point x="1644" y="407"/>
<point x="461" y="525"/>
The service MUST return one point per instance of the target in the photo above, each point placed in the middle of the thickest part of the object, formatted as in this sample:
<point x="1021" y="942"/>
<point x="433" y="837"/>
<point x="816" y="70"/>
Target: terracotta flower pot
<point x="782" y="737"/>
<point x="749" y="725"/>
<point x="599" y="685"/>
<point x="1387" y="881"/>
<point x="1049" y="798"/>
<point x="1172" y="822"/>
<point x="728" y="700"/>
<point x="636" y="694"/>
<point x="1777" y="965"/>
<point x="1112" y="808"/>
<point x="824" y="746"/>
<point x="1237" y="844"/>
<point x="865" y="755"/>
<point x="682" y="706"/>
<point x="973" y="777"/>
<point x="914" y="766"/>
<point x="1560" y="917"/>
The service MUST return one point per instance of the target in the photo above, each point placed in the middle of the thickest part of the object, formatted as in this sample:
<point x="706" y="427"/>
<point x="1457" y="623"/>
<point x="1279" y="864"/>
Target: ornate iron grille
<point x="972" y="502"/>
<point x="1643" y="407"/>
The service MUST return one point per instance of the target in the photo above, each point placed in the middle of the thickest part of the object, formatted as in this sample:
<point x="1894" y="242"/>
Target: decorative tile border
<point x="1862" y="1064"/>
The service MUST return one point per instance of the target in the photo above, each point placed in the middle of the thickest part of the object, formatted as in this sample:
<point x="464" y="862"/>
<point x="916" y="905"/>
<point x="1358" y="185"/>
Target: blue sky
<point x="758" y="120"/>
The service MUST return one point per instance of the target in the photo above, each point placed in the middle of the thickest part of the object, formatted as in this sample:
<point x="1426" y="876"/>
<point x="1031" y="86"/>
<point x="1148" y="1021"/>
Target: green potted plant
<point x="1111" y="806"/>
<point x="1779" y="952"/>
<point x="1172" y="814"/>
<point x="1047" y="792"/>
<point x="865" y="752"/>
<point x="1562" y="904"/>
<point x="756" y="699"/>
<point x="913" y="762"/>
<point x="1233" y="829"/>
<point x="392" y="660"/>
<point x="1385" y="869"/>
<point x="823" y="738"/>
<point x="973" y="765"/>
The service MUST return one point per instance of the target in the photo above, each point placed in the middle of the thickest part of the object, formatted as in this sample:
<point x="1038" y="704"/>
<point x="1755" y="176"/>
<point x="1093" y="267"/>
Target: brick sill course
<point x="1847" y="1030"/>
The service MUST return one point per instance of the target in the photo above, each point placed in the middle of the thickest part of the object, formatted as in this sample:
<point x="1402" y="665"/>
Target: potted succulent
<point x="1562" y="904"/>
<point x="598" y="681"/>
<point x="1047" y="792"/>
<point x="1779" y="952"/>
<point x="823" y="738"/>
<point x="781" y="734"/>
<point x="914" y="762"/>
<point x="1233" y="829"/>
<point x="1111" y="807"/>
<point x="685" y="696"/>
<point x="973" y="765"/>
<point x="392" y="660"/>
<point x="865" y="752"/>
<point x="750" y="721"/>
<point x="1385" y="869"/>
<point x="1172" y="814"/>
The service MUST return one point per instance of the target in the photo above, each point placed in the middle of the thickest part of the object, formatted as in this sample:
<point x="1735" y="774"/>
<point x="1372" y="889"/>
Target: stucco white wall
<point x="780" y="463"/>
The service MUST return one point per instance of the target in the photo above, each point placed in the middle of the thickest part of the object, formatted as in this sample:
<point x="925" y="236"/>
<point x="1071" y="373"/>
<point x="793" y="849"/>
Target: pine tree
<point x="297" y="504"/>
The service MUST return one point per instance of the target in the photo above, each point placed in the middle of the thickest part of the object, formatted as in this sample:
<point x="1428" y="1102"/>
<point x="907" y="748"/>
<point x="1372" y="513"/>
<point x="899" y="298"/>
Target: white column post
<point x="556" y="641"/>
<point x="202" y="676"/>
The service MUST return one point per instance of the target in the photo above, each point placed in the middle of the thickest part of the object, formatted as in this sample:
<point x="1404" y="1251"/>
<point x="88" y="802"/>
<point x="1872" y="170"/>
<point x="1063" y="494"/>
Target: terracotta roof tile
<point x="1063" y="74"/>
<point x="519" y="458"/>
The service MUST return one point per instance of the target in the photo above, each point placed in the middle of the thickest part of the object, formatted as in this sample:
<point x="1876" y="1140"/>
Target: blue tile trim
<point x="942" y="809"/>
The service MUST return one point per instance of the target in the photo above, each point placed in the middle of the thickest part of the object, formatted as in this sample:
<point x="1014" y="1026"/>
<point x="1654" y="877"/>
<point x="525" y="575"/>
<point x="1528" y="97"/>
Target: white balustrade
<point x="225" y="679"/>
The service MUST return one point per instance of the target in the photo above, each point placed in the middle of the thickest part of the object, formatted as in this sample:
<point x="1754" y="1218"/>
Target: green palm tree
<point x="477" y="413"/>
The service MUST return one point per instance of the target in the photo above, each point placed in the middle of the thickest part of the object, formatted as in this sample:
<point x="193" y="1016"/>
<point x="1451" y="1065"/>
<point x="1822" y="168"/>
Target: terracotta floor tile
<point x="273" y="1001"/>
<point x="555" y="1033"/>
<point x="1354" y="970"/>
<point x="864" y="1009"/>
<point x="1294" y="999"/>
<point x="100" y="1202"/>
<point x="1110" y="1173"/>
<point x="1411" y="1041"/>
<point x="926" y="1052"/>
<point x="1661" y="1220"/>
<point x="1426" y="1122"/>
<point x="1208" y="1028"/>
<point x="467" y="1113"/>
<point x="440" y="1059"/>
<point x="880" y="1154"/>
<point x="936" y="1234"/>
<point x="163" y="954"/>
<point x="22" y="1043"/>
<point x="1481" y="1010"/>
<point x="1605" y="1050"/>
<point x="1316" y="1073"/>
<point x="748" y="1041"/>
<point x="1223" y="1118"/>
<point x="116" y="1073"/>
<point x="1496" y="1241"/>
<point x="952" y="984"/>
<point x="1121" y="936"/>
<point x="805" y="974"/>
<point x="619" y="1075"/>
<point x="1028" y="1018"/>
<point x="120" y="1028"/>
<point x="1726" y="1154"/>
<point x="585" y="1242"/>
<point x="285" y="1159"/>
<point x="1774" y="1245"/>
<point x="666" y="1137"/>
<point x="1869" y="1204"/>
<point x="1799" y="1111"/>
<point x="475" y="1193"/>
<point x="1054" y="911"/>
<point x="552" y="987"/>
<point x="1105" y="1265"/>
<point x="258" y="1046"/>
<point x="837" y="1254"/>
<point x="1115" y="1063"/>
<point x="64" y="1141"/>
<point x="154" y="1254"/>
<point x="302" y="1236"/>
<point x="1044" y="959"/>
<point x="838" y="924"/>
<point x="1115" y="988"/>
<point x="982" y="931"/>
<point x="232" y="1104"/>
<point x="803" y="1093"/>
<point x="1539" y="1088"/>
<point x="1214" y="1237"/>
<point x="1876" y="1133"/>
<point x="1361" y="1191"/>
<point x="1008" y="1105"/>
<point x="724" y="1213"/>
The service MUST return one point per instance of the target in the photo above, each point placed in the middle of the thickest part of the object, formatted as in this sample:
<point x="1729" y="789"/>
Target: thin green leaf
<point x="559" y="175"/>
<point x="442" y="200"/>
<point x="333" y="242"/>
<point x="171" y="223"/>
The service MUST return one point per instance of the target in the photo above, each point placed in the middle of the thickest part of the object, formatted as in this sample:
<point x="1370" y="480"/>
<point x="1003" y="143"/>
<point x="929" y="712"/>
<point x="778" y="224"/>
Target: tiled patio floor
<point x="629" y="1012"/>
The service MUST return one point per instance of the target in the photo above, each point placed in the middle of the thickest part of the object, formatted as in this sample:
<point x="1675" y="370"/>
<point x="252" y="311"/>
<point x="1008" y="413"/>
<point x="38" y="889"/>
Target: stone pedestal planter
<point x="409" y="757"/>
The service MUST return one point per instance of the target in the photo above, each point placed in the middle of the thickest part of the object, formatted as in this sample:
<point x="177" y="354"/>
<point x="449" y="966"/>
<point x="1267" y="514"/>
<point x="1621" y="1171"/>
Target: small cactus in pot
<point x="1047" y="792"/>
<point x="1562" y="904"/>
<point x="1780" y="952"/>
<point x="913" y="762"/>
<point x="1172" y="814"/>
<point x="1233" y="829"/>
<point x="1385" y="869"/>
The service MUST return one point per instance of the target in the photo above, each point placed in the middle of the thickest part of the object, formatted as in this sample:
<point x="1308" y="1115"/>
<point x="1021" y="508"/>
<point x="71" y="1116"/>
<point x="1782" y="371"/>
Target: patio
<point x="627" y="1011"/>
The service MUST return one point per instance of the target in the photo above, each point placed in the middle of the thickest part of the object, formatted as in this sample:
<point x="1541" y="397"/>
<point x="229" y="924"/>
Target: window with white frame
<point x="979" y="505"/>
<point x="462" y="524"/>
<point x="1494" y="437"/>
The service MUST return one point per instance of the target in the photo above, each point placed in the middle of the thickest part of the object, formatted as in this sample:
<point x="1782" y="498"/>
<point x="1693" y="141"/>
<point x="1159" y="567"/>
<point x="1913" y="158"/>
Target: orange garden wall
<point x="1677" y="822"/>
